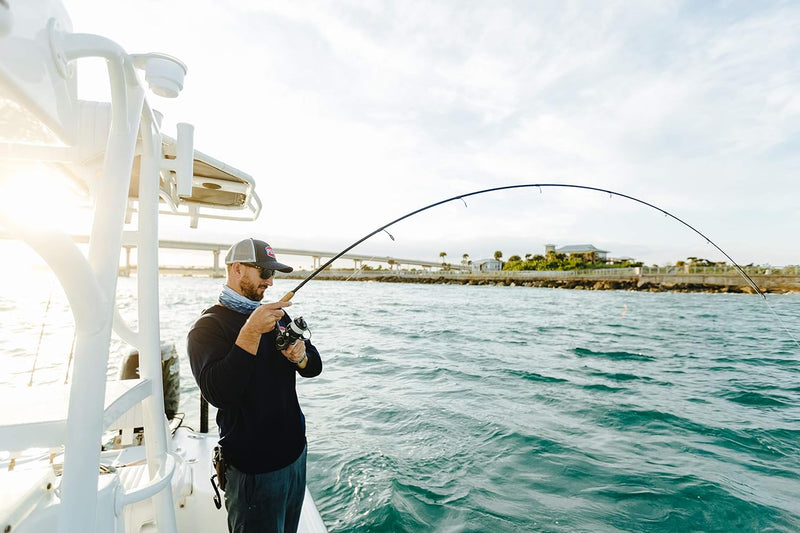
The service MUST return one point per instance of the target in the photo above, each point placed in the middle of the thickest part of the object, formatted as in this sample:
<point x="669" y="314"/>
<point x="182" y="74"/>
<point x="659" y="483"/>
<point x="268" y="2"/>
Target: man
<point x="240" y="371"/>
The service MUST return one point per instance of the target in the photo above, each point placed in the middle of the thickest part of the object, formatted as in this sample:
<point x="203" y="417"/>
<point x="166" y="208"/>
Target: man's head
<point x="251" y="266"/>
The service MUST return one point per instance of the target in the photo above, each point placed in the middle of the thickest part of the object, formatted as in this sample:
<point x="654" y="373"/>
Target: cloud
<point x="350" y="112"/>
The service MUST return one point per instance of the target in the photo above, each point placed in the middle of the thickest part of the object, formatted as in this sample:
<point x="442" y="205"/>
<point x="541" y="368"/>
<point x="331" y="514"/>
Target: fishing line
<point x="364" y="263"/>
<point x="41" y="335"/>
<point x="783" y="324"/>
<point x="288" y="296"/>
<point x="71" y="354"/>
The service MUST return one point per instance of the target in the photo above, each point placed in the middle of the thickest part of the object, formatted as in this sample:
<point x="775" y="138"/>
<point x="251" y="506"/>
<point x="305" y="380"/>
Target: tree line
<point x="562" y="261"/>
<point x="550" y="261"/>
<point x="583" y="261"/>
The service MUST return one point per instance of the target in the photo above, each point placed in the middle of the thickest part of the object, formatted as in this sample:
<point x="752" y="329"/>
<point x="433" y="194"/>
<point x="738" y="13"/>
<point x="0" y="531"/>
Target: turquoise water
<point x="466" y="408"/>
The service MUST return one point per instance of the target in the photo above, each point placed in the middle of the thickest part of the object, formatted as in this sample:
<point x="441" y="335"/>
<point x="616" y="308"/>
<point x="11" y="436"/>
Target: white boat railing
<point x="153" y="488"/>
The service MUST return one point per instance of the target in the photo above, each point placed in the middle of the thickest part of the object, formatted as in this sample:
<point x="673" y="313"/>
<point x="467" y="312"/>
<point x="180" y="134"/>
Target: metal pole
<point x="85" y="411"/>
<point x="156" y="445"/>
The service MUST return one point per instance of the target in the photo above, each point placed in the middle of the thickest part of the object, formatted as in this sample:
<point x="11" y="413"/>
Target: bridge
<point x="216" y="248"/>
<point x="317" y="256"/>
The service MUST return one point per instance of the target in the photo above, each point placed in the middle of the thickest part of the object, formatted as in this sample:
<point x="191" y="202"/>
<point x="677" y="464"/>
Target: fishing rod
<point x="288" y="296"/>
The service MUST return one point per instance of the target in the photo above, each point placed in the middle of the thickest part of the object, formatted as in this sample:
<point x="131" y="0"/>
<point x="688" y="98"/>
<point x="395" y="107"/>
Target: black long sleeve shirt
<point x="261" y="425"/>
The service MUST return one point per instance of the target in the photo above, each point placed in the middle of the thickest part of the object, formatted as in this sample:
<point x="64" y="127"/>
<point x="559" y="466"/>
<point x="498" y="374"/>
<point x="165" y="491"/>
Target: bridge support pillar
<point x="216" y="272"/>
<point x="127" y="270"/>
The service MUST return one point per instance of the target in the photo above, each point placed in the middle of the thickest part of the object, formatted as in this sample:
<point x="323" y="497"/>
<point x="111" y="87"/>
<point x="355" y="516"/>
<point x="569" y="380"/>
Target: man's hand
<point x="261" y="321"/>
<point x="296" y="353"/>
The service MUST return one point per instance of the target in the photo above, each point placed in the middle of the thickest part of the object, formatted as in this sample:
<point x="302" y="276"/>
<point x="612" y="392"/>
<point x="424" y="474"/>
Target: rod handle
<point x="286" y="297"/>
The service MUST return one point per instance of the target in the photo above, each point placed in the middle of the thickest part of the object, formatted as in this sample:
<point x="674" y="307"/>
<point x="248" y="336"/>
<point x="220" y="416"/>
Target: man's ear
<point x="237" y="271"/>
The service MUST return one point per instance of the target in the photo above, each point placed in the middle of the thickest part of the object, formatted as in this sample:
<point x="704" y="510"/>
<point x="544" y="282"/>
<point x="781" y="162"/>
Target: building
<point x="487" y="265"/>
<point x="577" y="249"/>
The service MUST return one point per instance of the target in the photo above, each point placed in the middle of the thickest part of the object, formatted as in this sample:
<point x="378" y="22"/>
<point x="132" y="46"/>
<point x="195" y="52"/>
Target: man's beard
<point x="250" y="290"/>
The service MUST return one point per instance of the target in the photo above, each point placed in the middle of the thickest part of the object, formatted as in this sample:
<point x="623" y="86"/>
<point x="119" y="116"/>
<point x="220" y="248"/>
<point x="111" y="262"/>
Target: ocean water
<point x="505" y="409"/>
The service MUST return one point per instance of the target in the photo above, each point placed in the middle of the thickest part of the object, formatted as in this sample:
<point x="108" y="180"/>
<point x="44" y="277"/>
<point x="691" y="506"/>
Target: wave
<point x="668" y="503"/>
<point x="757" y="399"/>
<point x="619" y="376"/>
<point x="535" y="377"/>
<point x="614" y="356"/>
<point x="651" y="420"/>
<point x="604" y="388"/>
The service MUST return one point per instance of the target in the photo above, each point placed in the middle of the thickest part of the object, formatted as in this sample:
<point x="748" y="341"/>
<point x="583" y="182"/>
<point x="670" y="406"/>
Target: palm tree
<point x="443" y="255"/>
<point x="465" y="259"/>
<point x="498" y="255"/>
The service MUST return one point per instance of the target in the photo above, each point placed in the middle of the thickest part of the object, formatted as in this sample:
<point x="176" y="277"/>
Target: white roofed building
<point x="487" y="265"/>
<point x="578" y="249"/>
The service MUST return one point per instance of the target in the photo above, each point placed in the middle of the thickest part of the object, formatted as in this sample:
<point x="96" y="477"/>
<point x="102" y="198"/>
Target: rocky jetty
<point x="575" y="284"/>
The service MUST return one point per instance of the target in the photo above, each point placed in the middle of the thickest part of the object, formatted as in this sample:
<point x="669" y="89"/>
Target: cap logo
<point x="270" y="251"/>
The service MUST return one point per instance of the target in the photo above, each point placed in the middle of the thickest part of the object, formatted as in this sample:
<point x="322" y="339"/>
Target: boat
<point x="100" y="454"/>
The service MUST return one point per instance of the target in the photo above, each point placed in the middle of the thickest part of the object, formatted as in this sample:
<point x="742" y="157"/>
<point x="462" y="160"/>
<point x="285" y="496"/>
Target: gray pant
<point x="266" y="503"/>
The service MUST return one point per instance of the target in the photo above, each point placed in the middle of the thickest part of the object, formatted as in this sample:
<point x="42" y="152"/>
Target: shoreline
<point x="574" y="283"/>
<point x="718" y="283"/>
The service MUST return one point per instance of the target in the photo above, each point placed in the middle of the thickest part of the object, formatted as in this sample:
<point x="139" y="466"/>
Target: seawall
<point x="606" y="279"/>
<point x="591" y="280"/>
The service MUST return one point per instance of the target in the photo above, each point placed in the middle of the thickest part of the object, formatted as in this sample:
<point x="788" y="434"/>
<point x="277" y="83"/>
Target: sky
<point x="350" y="114"/>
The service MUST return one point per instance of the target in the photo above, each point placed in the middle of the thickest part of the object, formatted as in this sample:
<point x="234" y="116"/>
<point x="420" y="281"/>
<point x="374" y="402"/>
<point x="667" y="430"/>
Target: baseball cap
<point x="255" y="251"/>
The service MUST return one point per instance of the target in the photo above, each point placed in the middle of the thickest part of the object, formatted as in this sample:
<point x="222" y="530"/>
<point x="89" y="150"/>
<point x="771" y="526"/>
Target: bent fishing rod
<point x="288" y="296"/>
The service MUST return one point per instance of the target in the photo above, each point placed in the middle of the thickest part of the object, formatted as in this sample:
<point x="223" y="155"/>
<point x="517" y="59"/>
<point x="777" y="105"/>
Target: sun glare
<point x="35" y="195"/>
